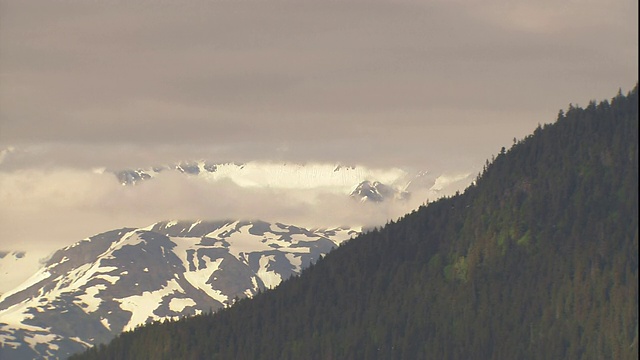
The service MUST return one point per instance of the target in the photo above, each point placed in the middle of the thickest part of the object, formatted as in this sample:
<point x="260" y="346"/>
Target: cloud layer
<point x="373" y="80"/>
<point x="57" y="207"/>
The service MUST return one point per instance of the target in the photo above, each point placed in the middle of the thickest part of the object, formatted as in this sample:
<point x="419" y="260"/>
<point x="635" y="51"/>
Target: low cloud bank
<point x="45" y="209"/>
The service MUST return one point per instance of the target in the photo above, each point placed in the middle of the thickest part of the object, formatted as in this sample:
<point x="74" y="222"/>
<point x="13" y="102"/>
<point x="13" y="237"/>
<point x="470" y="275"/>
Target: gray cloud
<point x="202" y="72"/>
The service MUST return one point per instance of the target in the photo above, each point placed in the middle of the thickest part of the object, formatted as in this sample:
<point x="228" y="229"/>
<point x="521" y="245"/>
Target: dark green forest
<point x="538" y="259"/>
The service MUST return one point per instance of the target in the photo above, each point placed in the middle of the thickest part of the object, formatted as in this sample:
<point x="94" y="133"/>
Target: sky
<point x="433" y="85"/>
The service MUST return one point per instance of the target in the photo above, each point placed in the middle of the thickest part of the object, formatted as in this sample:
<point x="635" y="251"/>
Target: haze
<point x="433" y="85"/>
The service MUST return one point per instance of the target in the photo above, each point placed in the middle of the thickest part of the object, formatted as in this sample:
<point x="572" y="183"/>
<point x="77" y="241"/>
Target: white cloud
<point x="47" y="209"/>
<point x="5" y="152"/>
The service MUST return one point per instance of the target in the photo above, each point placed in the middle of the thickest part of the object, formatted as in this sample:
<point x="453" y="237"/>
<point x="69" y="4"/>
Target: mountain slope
<point x="537" y="260"/>
<point x="13" y="265"/>
<point x="91" y="291"/>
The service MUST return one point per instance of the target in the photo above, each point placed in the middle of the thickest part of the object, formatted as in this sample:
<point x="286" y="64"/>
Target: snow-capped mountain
<point x="89" y="292"/>
<point x="377" y="192"/>
<point x="359" y="182"/>
<point x="331" y="177"/>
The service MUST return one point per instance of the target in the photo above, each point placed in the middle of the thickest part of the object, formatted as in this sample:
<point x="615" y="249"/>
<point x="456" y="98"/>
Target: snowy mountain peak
<point x="89" y="292"/>
<point x="274" y="175"/>
<point x="377" y="192"/>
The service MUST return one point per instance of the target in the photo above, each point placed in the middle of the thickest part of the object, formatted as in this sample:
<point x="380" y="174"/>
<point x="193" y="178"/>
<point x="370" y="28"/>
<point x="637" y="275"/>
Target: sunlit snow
<point x="42" y="274"/>
<point x="88" y="282"/>
<point x="41" y="338"/>
<point x="88" y="301"/>
<point x="178" y="305"/>
<point x="105" y="323"/>
<point x="270" y="279"/>
<point x="295" y="260"/>
<point x="143" y="306"/>
<point x="199" y="277"/>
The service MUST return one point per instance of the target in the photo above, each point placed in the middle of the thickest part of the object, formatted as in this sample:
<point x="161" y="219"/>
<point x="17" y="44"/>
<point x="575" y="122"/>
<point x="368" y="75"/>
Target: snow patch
<point x="89" y="299"/>
<point x="178" y="305"/>
<point x="80" y="341"/>
<point x="105" y="323"/>
<point x="15" y="315"/>
<point x="242" y="241"/>
<point x="199" y="277"/>
<point x="295" y="260"/>
<point x="270" y="279"/>
<point x="34" y="279"/>
<point x="36" y="339"/>
<point x="171" y="223"/>
<point x="443" y="181"/>
<point x="9" y="341"/>
<point x="143" y="306"/>
<point x="194" y="225"/>
<point x="110" y="278"/>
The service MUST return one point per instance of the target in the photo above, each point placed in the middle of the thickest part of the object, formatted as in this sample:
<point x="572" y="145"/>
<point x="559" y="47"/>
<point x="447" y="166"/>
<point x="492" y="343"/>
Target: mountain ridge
<point x="114" y="281"/>
<point x="335" y="177"/>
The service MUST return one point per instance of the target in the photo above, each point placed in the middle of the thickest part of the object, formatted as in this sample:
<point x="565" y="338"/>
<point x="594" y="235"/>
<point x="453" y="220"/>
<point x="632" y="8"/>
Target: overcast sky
<point x="428" y="84"/>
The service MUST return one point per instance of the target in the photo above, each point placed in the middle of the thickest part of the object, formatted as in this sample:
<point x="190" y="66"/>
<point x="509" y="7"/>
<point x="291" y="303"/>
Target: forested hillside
<point x="537" y="260"/>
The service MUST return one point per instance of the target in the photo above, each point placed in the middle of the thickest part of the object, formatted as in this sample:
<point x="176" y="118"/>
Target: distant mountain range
<point x="89" y="292"/>
<point x="360" y="182"/>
